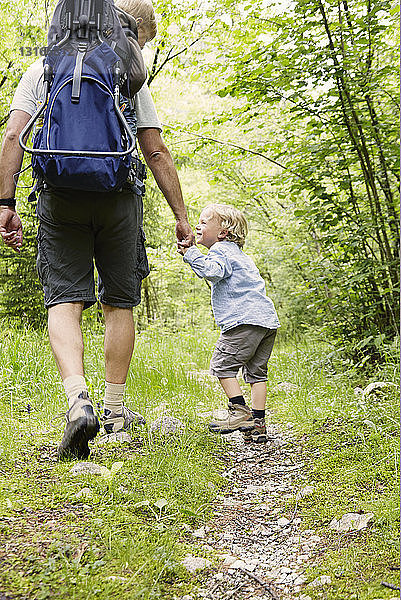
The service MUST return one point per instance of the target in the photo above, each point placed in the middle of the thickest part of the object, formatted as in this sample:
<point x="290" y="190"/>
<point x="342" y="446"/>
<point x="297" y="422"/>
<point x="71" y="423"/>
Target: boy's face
<point x="209" y="229"/>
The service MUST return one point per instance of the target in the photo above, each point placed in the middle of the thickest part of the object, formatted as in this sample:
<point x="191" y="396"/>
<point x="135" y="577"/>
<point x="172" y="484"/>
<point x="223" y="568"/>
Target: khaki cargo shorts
<point x="248" y="347"/>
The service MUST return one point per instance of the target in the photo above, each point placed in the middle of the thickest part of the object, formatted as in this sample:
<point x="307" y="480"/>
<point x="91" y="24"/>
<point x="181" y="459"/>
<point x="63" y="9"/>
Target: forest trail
<point x="262" y="549"/>
<point x="128" y="527"/>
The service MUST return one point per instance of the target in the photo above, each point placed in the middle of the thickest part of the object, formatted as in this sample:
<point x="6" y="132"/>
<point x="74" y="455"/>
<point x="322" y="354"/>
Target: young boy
<point x="246" y="316"/>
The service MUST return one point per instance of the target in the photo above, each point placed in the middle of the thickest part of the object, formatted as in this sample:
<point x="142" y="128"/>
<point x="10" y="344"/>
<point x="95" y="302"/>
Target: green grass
<point x="117" y="530"/>
<point x="350" y="445"/>
<point x="134" y="525"/>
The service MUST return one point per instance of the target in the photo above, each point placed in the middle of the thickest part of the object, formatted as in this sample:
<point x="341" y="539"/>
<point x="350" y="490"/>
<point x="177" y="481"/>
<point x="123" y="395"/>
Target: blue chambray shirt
<point x="238" y="290"/>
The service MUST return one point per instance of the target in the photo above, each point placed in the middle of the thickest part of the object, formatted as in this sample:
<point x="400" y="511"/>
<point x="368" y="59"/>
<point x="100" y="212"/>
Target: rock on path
<point x="250" y="533"/>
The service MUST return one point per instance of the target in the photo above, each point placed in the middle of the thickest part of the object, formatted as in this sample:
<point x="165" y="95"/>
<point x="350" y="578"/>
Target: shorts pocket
<point x="226" y="347"/>
<point x="42" y="264"/>
<point x="143" y="269"/>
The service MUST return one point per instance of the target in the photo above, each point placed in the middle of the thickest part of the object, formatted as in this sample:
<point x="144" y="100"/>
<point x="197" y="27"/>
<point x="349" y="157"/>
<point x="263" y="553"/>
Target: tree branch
<point x="4" y="78"/>
<point x="254" y="152"/>
<point x="4" y="120"/>
<point x="170" y="56"/>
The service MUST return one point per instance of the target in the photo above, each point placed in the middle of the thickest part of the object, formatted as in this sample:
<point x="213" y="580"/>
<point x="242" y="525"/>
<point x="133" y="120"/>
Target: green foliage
<point x="328" y="70"/>
<point x="350" y="443"/>
<point x="21" y="294"/>
<point x="138" y="512"/>
<point x="302" y="136"/>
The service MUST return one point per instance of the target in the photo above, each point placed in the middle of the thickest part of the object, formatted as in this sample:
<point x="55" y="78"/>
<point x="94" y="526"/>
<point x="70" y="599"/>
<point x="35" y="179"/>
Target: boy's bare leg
<point x="231" y="387"/>
<point x="258" y="395"/>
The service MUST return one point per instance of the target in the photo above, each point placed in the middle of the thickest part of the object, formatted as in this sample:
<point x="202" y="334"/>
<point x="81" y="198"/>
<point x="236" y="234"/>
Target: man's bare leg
<point x="119" y="338"/>
<point x="67" y="344"/>
<point x="119" y="341"/>
<point x="64" y="323"/>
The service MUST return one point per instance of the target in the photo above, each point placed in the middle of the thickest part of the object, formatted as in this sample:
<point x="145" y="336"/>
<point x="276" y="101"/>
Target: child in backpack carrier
<point x="245" y="315"/>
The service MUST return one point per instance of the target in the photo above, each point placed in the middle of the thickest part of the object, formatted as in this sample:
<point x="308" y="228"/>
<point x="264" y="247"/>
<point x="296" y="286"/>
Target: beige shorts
<point x="248" y="347"/>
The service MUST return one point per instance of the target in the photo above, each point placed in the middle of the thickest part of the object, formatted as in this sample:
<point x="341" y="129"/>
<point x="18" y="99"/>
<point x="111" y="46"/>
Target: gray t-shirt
<point x="29" y="95"/>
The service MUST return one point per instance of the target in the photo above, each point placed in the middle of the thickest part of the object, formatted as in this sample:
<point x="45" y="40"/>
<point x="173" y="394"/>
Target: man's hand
<point x="181" y="249"/>
<point x="184" y="233"/>
<point x="10" y="228"/>
<point x="10" y="163"/>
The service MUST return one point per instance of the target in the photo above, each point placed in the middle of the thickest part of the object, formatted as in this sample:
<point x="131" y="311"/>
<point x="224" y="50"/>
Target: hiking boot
<point x="239" y="418"/>
<point x="117" y="425"/>
<point x="257" y="434"/>
<point x="82" y="426"/>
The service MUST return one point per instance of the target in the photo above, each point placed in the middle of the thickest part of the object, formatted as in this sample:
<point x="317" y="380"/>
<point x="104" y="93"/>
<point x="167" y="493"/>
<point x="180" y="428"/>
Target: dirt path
<point x="262" y="549"/>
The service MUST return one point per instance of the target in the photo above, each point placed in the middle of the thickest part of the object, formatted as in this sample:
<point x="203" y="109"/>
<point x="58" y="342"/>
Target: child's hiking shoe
<point x="257" y="434"/>
<point x="82" y="426"/>
<point x="117" y="425"/>
<point x="239" y="418"/>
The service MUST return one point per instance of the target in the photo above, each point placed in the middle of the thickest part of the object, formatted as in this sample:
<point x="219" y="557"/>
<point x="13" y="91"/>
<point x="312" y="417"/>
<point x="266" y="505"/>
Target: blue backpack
<point x="85" y="142"/>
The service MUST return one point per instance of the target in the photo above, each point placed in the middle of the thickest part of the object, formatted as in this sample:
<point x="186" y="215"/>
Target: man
<point x="76" y="227"/>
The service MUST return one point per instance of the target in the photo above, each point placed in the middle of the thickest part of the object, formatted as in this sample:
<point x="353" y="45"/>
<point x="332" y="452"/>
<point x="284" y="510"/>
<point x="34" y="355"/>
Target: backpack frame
<point x="79" y="28"/>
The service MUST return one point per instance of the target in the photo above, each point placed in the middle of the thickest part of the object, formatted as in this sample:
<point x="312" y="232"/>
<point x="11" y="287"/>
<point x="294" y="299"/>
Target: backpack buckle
<point x="77" y="75"/>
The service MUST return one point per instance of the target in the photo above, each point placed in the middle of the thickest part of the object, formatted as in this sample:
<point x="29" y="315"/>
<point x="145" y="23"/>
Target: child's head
<point x="218" y="223"/>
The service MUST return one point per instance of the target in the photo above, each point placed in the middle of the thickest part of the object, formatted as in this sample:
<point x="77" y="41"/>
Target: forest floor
<point x="192" y="515"/>
<point x="266" y="550"/>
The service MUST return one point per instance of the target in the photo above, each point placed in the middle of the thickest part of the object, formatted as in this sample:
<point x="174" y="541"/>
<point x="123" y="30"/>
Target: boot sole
<point x="76" y="437"/>
<point x="261" y="439"/>
<point x="117" y="436"/>
<point x="231" y="429"/>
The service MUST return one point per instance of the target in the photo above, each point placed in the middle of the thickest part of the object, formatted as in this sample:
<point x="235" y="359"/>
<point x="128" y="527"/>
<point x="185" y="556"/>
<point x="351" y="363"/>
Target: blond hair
<point x="233" y="220"/>
<point x="141" y="9"/>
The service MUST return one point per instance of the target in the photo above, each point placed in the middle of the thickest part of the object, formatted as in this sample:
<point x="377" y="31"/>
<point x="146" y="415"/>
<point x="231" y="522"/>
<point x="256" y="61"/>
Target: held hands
<point x="10" y="228"/>
<point x="185" y="236"/>
<point x="181" y="249"/>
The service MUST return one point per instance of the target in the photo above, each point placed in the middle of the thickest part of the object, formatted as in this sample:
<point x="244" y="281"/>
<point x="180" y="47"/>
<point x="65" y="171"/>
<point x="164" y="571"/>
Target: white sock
<point x="113" y="397"/>
<point x="74" y="385"/>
